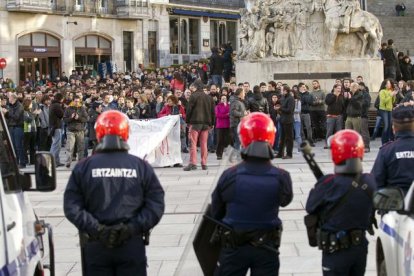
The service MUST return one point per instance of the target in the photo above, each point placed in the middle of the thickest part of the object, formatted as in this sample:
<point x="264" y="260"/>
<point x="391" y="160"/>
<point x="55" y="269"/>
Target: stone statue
<point x="283" y="29"/>
<point x="343" y="16"/>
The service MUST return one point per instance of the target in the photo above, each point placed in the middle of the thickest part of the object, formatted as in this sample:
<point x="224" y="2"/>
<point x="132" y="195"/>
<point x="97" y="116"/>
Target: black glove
<point x="115" y="235"/>
<point x="373" y="224"/>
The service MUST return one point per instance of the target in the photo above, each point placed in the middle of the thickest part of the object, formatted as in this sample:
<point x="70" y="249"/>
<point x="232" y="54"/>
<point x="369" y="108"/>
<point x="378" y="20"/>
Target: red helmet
<point x="346" y="144"/>
<point x="256" y="127"/>
<point x="112" y="122"/>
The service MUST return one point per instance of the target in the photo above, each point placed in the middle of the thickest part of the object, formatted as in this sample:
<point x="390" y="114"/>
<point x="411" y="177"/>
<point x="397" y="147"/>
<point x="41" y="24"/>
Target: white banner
<point x="157" y="141"/>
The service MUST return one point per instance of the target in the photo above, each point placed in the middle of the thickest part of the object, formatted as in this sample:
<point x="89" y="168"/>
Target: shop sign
<point x="39" y="50"/>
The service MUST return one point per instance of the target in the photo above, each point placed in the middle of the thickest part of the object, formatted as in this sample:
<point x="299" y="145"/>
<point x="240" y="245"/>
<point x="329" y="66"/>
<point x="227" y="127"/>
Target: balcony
<point x="30" y="5"/>
<point x="132" y="8"/>
<point x="219" y="4"/>
<point x="84" y="8"/>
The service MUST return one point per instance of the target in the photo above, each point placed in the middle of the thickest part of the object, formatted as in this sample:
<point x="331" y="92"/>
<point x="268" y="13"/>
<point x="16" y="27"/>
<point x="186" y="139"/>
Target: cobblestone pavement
<point x="187" y="193"/>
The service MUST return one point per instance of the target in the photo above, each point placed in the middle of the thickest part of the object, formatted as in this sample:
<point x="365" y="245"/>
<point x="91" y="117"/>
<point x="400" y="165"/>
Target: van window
<point x="8" y="166"/>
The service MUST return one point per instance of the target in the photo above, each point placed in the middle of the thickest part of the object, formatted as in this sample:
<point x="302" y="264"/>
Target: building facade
<point x="48" y="37"/>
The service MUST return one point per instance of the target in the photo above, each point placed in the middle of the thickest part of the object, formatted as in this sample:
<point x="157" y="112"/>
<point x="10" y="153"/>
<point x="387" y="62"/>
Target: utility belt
<point x="85" y="238"/>
<point x="330" y="242"/>
<point x="268" y="239"/>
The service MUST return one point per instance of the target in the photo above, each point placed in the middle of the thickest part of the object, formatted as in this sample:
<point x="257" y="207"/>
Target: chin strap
<point x="111" y="143"/>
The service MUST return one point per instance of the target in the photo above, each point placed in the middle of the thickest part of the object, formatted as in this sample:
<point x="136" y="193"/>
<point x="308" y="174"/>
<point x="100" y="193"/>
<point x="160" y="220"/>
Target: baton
<point x="308" y="155"/>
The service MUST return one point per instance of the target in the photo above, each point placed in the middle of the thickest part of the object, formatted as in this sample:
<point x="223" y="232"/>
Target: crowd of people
<point x="45" y="116"/>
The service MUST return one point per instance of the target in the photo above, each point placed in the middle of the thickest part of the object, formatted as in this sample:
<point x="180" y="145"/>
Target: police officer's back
<point x="343" y="203"/>
<point x="114" y="199"/>
<point x="247" y="199"/>
<point x="395" y="160"/>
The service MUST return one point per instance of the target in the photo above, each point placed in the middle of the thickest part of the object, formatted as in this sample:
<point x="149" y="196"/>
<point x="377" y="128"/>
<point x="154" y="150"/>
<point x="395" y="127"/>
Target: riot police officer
<point x="114" y="199"/>
<point x="395" y="160"/>
<point x="247" y="200"/>
<point x="343" y="203"/>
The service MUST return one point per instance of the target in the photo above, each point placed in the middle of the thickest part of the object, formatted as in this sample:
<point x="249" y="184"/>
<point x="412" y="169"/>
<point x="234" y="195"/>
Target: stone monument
<point x="302" y="40"/>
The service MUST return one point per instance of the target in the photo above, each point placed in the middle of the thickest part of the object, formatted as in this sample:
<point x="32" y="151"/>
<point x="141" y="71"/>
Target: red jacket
<point x="168" y="110"/>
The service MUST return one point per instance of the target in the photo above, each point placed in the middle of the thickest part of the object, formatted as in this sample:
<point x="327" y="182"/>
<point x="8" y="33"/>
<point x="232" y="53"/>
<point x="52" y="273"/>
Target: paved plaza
<point x="186" y="195"/>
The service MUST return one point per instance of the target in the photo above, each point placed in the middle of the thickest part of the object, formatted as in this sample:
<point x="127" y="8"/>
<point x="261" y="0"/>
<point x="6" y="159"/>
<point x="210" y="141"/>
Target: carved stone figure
<point x="364" y="24"/>
<point x="298" y="28"/>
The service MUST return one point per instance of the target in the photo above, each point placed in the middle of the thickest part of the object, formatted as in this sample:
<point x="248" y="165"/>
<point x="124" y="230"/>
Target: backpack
<point x="377" y="102"/>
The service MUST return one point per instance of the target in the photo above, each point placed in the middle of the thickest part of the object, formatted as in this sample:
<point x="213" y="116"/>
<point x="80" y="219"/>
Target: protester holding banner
<point x="174" y="108"/>
<point x="200" y="117"/>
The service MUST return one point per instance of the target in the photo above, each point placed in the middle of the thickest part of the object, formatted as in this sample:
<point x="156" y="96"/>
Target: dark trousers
<point x="16" y="135"/>
<point x="286" y="140"/>
<point x="387" y="131"/>
<point x="128" y="259"/>
<point x="237" y="261"/>
<point x="318" y="123"/>
<point x="44" y="141"/>
<point x="223" y="140"/>
<point x="351" y="261"/>
<point x="29" y="146"/>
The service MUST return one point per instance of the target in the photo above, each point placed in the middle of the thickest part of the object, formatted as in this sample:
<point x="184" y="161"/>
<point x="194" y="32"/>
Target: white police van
<point x="395" y="243"/>
<point x="21" y="233"/>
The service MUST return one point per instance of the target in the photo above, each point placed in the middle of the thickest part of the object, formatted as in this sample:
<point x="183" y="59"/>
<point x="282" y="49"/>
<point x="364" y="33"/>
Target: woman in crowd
<point x="144" y="107"/>
<point x="177" y="82"/>
<point x="222" y="111"/>
<point x="174" y="108"/>
<point x="297" y="125"/>
<point x="386" y="102"/>
<point x="29" y="128"/>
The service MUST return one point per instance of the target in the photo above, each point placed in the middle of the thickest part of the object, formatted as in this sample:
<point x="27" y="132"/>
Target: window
<point x="128" y="50"/>
<point x="174" y="36"/>
<point x="223" y="32"/>
<point x="39" y="39"/>
<point x="194" y="36"/>
<point x="184" y="36"/>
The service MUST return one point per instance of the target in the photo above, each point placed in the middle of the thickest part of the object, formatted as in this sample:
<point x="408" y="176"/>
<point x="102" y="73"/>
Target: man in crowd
<point x="307" y="101"/>
<point x="335" y="108"/>
<point x="317" y="111"/>
<point x="354" y="108"/>
<point x="216" y="67"/>
<point x="200" y="118"/>
<point x="75" y="117"/>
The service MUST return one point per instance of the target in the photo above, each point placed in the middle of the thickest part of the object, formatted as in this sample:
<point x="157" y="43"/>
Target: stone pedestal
<point x="325" y="71"/>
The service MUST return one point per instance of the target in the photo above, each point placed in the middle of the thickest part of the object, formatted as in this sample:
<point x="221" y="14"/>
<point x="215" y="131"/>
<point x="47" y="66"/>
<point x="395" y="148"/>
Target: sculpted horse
<point x="364" y="24"/>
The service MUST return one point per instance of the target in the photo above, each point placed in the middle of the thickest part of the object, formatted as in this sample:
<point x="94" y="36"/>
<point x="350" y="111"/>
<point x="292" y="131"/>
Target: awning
<point x="204" y="13"/>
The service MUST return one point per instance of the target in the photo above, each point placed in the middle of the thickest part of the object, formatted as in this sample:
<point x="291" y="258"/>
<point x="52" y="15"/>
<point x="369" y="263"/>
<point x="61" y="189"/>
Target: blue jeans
<point x="297" y="129"/>
<point x="236" y="140"/>
<point x="16" y="135"/>
<point x="386" y="133"/>
<point x="217" y="80"/>
<point x="56" y="145"/>
<point x="378" y="122"/>
<point x="278" y="135"/>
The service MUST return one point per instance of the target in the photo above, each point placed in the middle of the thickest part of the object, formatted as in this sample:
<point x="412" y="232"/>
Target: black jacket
<point x="109" y="188"/>
<point x="55" y="116"/>
<point x="216" y="64"/>
<point x="14" y="116"/>
<point x="306" y="100"/>
<point x="258" y="103"/>
<point x="200" y="109"/>
<point x="366" y="103"/>
<point x="354" y="108"/>
<point x="287" y="109"/>
<point x="335" y="104"/>
<point x="227" y="59"/>
<point x="72" y="123"/>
